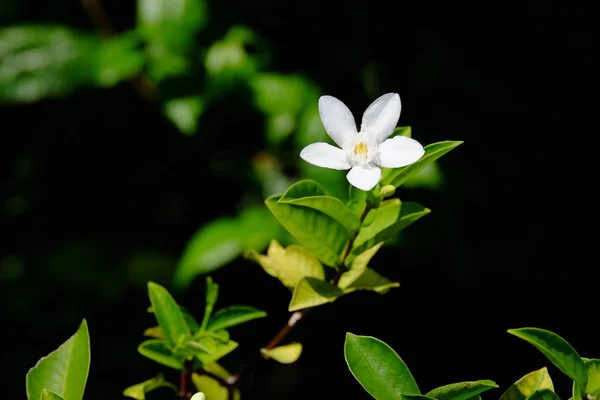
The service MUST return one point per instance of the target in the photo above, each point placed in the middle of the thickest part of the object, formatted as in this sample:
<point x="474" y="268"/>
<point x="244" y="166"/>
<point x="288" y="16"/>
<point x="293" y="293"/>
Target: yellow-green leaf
<point x="525" y="387"/>
<point x="311" y="292"/>
<point x="138" y="391"/>
<point x="211" y="388"/>
<point x="286" y="354"/>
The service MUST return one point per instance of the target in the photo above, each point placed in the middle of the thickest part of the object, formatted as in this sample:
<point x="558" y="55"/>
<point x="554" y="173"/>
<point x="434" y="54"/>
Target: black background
<point x="510" y="243"/>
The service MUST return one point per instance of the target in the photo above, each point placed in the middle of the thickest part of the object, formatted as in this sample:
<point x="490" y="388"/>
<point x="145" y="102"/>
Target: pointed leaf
<point x="378" y="368"/>
<point x="360" y="277"/>
<point x="158" y="351"/>
<point x="312" y="292"/>
<point x="286" y="354"/>
<point x="50" y="395"/>
<point x="462" y="390"/>
<point x="593" y="377"/>
<point x="212" y="294"/>
<point x="138" y="391"/>
<point x="64" y="371"/>
<point x="316" y="231"/>
<point x="528" y="385"/>
<point x="221" y="335"/>
<point x="234" y="315"/>
<point x="169" y="315"/>
<point x="289" y="265"/>
<point x="402" y="131"/>
<point x="398" y="176"/>
<point x="220" y="351"/>
<point x="357" y="200"/>
<point x="385" y="222"/>
<point x="328" y="205"/>
<point x="155" y="332"/>
<point x="557" y="350"/>
<point x="210" y="386"/>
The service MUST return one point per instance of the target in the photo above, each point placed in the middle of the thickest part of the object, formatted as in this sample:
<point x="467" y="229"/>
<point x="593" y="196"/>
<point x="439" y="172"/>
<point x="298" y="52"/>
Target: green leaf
<point x="138" y="391"/>
<point x="462" y="390"/>
<point x="234" y="315"/>
<point x="223" y="240"/>
<point x="221" y="335"/>
<point x="49" y="61"/>
<point x="385" y="222"/>
<point x="557" y="350"/>
<point x="155" y="332"/>
<point x="378" y="368"/>
<point x="309" y="194"/>
<point x="210" y="386"/>
<point x="357" y="200"/>
<point x="312" y="292"/>
<point x="316" y="231"/>
<point x="286" y="354"/>
<point x="64" y="371"/>
<point x="50" y="395"/>
<point x="212" y="293"/>
<point x="402" y="131"/>
<point x="158" y="351"/>
<point x="525" y="387"/>
<point x="544" y="394"/>
<point x="433" y="151"/>
<point x="360" y="277"/>
<point x="220" y="351"/>
<point x="289" y="265"/>
<point x="169" y="315"/>
<point x="593" y="377"/>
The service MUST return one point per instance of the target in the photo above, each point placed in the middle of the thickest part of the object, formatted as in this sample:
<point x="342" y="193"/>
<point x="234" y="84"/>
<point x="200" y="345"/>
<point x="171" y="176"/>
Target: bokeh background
<point x="115" y="154"/>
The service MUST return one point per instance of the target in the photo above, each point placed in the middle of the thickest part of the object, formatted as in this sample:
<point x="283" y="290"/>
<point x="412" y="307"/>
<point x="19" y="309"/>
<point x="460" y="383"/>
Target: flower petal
<point x="337" y="119"/>
<point x="364" y="177"/>
<point x="325" y="155"/>
<point x="399" y="151"/>
<point x="381" y="117"/>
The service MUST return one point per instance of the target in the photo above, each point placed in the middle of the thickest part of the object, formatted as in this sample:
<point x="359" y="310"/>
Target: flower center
<point x="360" y="149"/>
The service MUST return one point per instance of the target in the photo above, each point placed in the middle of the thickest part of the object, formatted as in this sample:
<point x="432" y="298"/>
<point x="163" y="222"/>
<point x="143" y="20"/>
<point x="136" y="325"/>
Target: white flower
<point x="198" y="396"/>
<point x="365" y="151"/>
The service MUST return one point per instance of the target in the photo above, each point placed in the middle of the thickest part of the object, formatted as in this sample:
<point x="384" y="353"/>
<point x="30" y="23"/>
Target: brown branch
<point x="97" y="13"/>
<point x="183" y="385"/>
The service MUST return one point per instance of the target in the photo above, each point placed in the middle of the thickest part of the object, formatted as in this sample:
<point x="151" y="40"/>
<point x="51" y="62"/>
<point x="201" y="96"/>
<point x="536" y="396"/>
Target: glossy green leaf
<point x="557" y="350"/>
<point x="312" y="292"/>
<point x="385" y="222"/>
<point x="593" y="377"/>
<point x="210" y="386"/>
<point x="286" y="354"/>
<point x="433" y="151"/>
<point x="212" y="294"/>
<point x="50" y="395"/>
<point x="360" y="277"/>
<point x="221" y="350"/>
<point x="525" y="387"/>
<point x="378" y="368"/>
<point x="289" y="265"/>
<point x="234" y="315"/>
<point x="169" y="315"/>
<point x="138" y="391"/>
<point x="223" y="240"/>
<point x="50" y="61"/>
<point x="309" y="194"/>
<point x="430" y="177"/>
<point x="414" y="397"/>
<point x="221" y="335"/>
<point x="158" y="350"/>
<point x="357" y="200"/>
<point x="462" y="390"/>
<point x="64" y="371"/>
<point x="316" y="231"/>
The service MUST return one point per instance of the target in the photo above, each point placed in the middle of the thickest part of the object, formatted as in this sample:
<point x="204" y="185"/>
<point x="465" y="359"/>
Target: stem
<point x="298" y="315"/>
<point x="141" y="83"/>
<point x="183" y="385"/>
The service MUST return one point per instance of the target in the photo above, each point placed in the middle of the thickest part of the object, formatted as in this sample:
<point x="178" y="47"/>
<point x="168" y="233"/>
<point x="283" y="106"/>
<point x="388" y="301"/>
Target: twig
<point x="183" y="385"/>
<point x="141" y="83"/>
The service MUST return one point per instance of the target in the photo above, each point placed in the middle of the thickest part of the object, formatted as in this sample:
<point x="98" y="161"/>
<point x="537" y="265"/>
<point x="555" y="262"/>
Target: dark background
<point x="101" y="175"/>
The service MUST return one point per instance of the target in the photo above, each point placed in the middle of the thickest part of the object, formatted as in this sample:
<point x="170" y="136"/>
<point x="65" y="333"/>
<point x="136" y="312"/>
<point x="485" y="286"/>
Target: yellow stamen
<point x="360" y="149"/>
